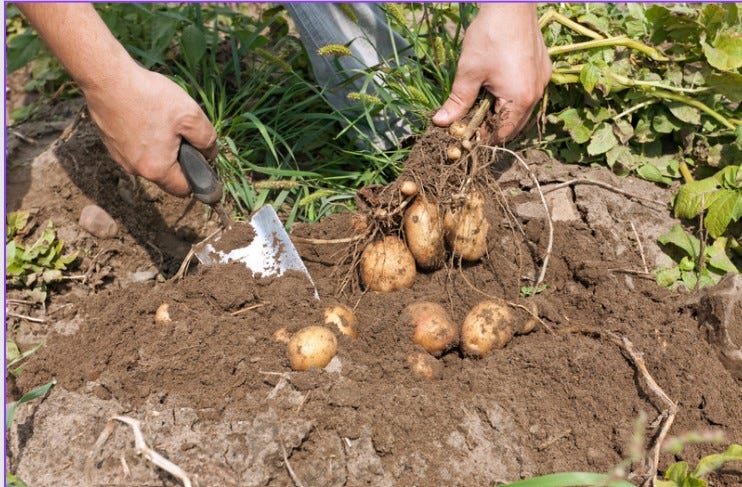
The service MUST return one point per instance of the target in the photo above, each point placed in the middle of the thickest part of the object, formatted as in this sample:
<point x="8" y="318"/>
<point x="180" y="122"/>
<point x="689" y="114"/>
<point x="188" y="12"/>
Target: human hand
<point x="504" y="51"/>
<point x="142" y="116"/>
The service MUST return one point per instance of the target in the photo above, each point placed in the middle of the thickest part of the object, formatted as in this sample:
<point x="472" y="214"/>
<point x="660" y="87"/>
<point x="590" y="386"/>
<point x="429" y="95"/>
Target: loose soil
<point x="214" y="391"/>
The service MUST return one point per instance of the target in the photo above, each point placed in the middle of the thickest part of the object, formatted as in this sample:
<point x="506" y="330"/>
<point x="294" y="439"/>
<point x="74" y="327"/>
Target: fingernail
<point x="441" y="115"/>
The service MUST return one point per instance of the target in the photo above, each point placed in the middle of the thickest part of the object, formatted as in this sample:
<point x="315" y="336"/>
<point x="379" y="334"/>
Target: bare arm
<point x="142" y="115"/>
<point x="504" y="52"/>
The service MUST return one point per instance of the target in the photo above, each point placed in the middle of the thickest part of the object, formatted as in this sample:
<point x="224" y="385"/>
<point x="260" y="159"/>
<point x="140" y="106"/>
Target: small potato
<point x="432" y="328"/>
<point x="423" y="229"/>
<point x="457" y="129"/>
<point x="466" y="228"/>
<point x="408" y="188"/>
<point x="343" y="318"/>
<point x="162" y="315"/>
<point x="387" y="265"/>
<point x="453" y="153"/>
<point x="424" y="365"/>
<point x="488" y="325"/>
<point x="313" y="346"/>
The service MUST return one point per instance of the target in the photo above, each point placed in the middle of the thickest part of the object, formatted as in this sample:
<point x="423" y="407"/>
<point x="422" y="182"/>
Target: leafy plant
<point x="14" y="357"/>
<point x="678" y="475"/>
<point x="37" y="265"/>
<point x="719" y="195"/>
<point x="695" y="268"/>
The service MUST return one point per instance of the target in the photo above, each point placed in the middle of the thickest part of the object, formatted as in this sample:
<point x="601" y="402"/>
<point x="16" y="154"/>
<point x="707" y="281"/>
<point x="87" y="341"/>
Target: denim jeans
<point x="372" y="43"/>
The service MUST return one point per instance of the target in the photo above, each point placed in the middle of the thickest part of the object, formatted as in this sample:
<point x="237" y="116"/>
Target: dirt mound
<point x="216" y="396"/>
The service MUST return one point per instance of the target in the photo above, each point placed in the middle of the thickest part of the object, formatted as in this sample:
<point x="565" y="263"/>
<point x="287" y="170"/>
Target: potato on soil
<point x="282" y="335"/>
<point x="408" y="188"/>
<point x="432" y="328"/>
<point x="466" y="228"/>
<point x="531" y="322"/>
<point x="313" y="346"/>
<point x="343" y="318"/>
<point x="423" y="229"/>
<point x="162" y="315"/>
<point x="457" y="129"/>
<point x="488" y="325"/>
<point x="387" y="265"/>
<point x="424" y="365"/>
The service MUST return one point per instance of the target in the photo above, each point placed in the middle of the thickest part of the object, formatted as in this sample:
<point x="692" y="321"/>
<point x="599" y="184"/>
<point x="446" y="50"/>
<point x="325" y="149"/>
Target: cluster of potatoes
<point x="489" y="325"/>
<point x="390" y="264"/>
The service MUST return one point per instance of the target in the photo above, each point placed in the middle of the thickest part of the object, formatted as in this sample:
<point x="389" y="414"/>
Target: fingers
<point x="198" y="131"/>
<point x="173" y="181"/>
<point x="463" y="95"/>
<point x="512" y="118"/>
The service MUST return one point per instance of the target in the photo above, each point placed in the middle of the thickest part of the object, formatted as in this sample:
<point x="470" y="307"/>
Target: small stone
<point x="97" y="222"/>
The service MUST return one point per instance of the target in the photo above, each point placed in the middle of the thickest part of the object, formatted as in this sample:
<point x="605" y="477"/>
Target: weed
<point x="37" y="265"/>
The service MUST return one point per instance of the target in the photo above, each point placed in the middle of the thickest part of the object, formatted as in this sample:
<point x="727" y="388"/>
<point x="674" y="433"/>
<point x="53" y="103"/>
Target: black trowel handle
<point x="199" y="174"/>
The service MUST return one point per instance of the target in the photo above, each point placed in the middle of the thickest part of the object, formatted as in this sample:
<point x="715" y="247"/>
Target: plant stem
<point x="636" y="107"/>
<point x="553" y="15"/>
<point x="687" y="176"/>
<point x="694" y="103"/>
<point x="611" y="41"/>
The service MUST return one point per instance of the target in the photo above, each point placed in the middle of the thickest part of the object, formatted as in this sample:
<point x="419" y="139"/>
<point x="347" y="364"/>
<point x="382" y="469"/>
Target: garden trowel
<point x="270" y="251"/>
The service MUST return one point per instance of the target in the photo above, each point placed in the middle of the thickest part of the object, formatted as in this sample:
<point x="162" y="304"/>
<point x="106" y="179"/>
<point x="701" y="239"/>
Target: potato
<point x="423" y="229"/>
<point x="453" y="153"/>
<point x="162" y="315"/>
<point x="343" y="318"/>
<point x="488" y="325"/>
<point x="466" y="228"/>
<point x="457" y="129"/>
<point x="408" y="188"/>
<point x="313" y="346"/>
<point x="387" y="265"/>
<point x="432" y="328"/>
<point x="424" y="365"/>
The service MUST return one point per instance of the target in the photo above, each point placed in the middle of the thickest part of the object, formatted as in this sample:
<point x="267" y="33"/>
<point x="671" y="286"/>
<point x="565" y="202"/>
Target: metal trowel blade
<point x="270" y="253"/>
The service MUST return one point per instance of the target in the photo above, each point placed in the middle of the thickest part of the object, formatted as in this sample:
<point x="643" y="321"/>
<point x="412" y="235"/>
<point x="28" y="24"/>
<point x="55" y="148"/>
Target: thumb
<point x="463" y="95"/>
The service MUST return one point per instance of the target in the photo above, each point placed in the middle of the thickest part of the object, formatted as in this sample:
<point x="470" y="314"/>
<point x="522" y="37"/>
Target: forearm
<point x="82" y="42"/>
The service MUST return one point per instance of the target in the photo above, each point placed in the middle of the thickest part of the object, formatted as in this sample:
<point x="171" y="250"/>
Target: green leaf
<point x="677" y="472"/>
<point x="689" y="279"/>
<point x="691" y="196"/>
<point x="663" y="124"/>
<point x="726" y="52"/>
<point x="602" y="140"/>
<point x="668" y="277"/>
<point x="711" y="463"/>
<point x="193" y="45"/>
<point x="718" y="258"/>
<point x="685" y="113"/>
<point x="652" y="173"/>
<point x="682" y="240"/>
<point x="29" y="396"/>
<point x="22" y="48"/>
<point x="16" y="222"/>
<point x="11" y="350"/>
<point x="621" y="160"/>
<point x="720" y="211"/>
<point x="570" y="479"/>
<point x="589" y="76"/>
<point x="728" y="84"/>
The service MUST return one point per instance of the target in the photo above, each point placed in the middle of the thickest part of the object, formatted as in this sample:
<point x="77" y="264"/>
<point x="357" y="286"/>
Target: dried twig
<point x="25" y="317"/>
<point x="292" y="474"/>
<point x="666" y="417"/>
<point x="610" y="187"/>
<point x="549" y="220"/>
<point x="646" y="275"/>
<point x="323" y="241"/>
<point x="189" y="257"/>
<point x="23" y="137"/>
<point x="141" y="449"/>
<point x="248" y="308"/>
<point x="641" y="247"/>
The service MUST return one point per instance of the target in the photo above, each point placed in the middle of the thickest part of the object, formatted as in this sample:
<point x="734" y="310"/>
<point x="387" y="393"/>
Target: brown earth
<point x="215" y="394"/>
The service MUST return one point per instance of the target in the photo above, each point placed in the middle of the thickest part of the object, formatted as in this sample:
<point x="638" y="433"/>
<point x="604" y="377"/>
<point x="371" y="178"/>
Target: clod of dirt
<point x="96" y="221"/>
<point x="720" y="312"/>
